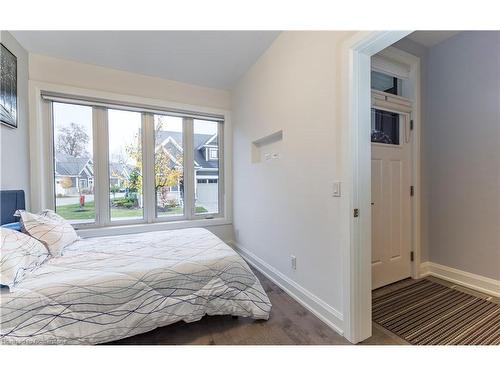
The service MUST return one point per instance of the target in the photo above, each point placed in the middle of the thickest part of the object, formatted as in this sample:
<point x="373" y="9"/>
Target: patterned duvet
<point x="107" y="288"/>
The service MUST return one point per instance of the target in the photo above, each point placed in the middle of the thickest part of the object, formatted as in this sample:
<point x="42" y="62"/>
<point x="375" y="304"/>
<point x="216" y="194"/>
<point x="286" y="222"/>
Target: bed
<point x="107" y="288"/>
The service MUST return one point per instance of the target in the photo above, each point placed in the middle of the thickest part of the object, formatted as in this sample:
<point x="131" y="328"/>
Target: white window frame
<point x="41" y="149"/>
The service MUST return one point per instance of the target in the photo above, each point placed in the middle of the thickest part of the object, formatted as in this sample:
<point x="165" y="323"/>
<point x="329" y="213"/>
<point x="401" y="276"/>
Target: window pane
<point x="386" y="83"/>
<point x="385" y="127"/>
<point x="73" y="162"/>
<point x="125" y="165"/>
<point x="206" y="166"/>
<point x="169" y="166"/>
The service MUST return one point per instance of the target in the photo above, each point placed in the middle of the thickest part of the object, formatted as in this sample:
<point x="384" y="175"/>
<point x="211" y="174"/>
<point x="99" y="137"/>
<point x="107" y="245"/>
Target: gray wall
<point x="14" y="152"/>
<point x="420" y="51"/>
<point x="462" y="145"/>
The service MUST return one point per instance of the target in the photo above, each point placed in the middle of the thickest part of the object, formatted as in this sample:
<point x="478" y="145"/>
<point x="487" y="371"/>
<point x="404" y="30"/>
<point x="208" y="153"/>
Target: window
<point x="205" y="139"/>
<point x="385" y="127"/>
<point x="139" y="165"/>
<point x="386" y="83"/>
<point x="213" y="154"/>
<point x="73" y="162"/>
<point x="169" y="166"/>
<point x="125" y="165"/>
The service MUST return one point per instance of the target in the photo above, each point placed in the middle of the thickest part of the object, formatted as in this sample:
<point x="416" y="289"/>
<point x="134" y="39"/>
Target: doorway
<point x="392" y="101"/>
<point x="356" y="117"/>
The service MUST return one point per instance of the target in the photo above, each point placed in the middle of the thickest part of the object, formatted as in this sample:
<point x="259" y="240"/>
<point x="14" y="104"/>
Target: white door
<point x="391" y="198"/>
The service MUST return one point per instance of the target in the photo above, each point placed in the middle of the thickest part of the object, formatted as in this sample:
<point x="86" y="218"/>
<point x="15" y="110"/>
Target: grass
<point x="73" y="212"/>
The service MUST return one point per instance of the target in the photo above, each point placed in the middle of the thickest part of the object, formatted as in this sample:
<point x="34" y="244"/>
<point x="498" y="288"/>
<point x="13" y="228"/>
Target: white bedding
<point x="108" y="288"/>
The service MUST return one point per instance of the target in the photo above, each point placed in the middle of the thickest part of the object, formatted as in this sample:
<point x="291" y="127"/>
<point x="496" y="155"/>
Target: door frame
<point x="355" y="118"/>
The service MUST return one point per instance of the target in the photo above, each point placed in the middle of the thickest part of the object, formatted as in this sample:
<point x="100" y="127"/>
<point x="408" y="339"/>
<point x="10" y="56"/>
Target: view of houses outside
<point x="125" y="165"/>
<point x="206" y="164"/>
<point x="169" y="166"/>
<point x="74" y="161"/>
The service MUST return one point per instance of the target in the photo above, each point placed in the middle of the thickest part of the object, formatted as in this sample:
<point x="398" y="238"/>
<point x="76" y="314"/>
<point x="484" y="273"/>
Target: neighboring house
<point x="206" y="159"/>
<point x="119" y="174"/>
<point x="76" y="174"/>
<point x="73" y="174"/>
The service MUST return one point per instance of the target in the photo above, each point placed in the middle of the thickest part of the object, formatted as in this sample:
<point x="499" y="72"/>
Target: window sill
<point x="149" y="227"/>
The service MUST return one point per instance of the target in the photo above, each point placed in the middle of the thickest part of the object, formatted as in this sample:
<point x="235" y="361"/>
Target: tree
<point x="168" y="172"/>
<point x="66" y="182"/>
<point x="114" y="189"/>
<point x="135" y="181"/>
<point x="72" y="140"/>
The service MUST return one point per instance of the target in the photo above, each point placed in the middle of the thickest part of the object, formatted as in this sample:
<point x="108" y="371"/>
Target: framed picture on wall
<point x="8" y="87"/>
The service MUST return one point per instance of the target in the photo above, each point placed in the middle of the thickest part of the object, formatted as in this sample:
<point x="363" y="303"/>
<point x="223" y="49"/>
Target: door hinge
<point x="356" y="212"/>
<point x="411" y="124"/>
<point x="412" y="256"/>
<point x="412" y="191"/>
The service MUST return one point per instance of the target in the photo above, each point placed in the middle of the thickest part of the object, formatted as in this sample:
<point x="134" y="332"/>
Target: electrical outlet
<point x="293" y="260"/>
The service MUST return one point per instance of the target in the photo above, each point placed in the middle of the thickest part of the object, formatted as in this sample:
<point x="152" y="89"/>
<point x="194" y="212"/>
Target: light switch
<point x="336" y="190"/>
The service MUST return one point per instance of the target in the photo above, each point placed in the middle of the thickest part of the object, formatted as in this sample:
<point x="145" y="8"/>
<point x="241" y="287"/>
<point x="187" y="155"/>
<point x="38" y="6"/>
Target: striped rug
<point x="428" y="313"/>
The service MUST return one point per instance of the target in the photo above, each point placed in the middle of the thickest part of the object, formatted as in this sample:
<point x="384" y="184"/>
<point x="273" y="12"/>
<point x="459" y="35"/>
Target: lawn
<point x="73" y="212"/>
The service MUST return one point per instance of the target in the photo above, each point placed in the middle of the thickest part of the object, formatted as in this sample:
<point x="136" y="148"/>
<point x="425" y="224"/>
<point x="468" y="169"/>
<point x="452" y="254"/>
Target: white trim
<point x="101" y="167"/>
<point x="467" y="279"/>
<point x="189" y="174"/>
<point x="149" y="227"/>
<point x="148" y="168"/>
<point x="169" y="139"/>
<point x="212" y="150"/>
<point x="356" y="125"/>
<point x="208" y="142"/>
<point x="326" y="313"/>
<point x="126" y="106"/>
<point x="390" y="67"/>
<point x="383" y="99"/>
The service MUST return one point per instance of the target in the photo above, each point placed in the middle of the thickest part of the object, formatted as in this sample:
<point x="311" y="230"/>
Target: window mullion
<point x="221" y="160"/>
<point x="148" y="178"/>
<point x="48" y="198"/>
<point x="189" y="178"/>
<point x="101" y="166"/>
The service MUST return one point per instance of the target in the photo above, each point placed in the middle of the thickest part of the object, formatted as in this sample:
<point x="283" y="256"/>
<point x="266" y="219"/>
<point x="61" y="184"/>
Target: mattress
<point x="107" y="288"/>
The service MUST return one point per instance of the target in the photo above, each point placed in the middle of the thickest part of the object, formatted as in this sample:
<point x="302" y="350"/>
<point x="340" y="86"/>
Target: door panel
<point x="391" y="205"/>
<point x="395" y="203"/>
<point x="377" y="220"/>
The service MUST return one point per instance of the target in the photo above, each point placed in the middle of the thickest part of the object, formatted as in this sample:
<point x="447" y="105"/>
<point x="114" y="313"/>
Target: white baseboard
<point x="315" y="305"/>
<point x="466" y="279"/>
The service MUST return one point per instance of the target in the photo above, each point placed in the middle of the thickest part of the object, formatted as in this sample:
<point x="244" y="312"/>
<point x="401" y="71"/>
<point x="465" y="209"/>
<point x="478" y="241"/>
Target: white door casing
<point x="356" y="55"/>
<point x="391" y="207"/>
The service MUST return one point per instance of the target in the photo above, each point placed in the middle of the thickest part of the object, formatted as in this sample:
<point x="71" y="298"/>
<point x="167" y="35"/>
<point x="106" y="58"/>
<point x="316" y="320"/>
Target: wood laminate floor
<point x="289" y="324"/>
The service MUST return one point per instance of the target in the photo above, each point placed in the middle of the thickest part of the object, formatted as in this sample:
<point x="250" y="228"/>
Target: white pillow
<point x="20" y="254"/>
<point x="50" y="229"/>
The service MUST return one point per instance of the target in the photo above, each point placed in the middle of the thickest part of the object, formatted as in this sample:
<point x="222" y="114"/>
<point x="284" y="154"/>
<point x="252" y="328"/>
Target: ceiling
<point x="207" y="58"/>
<point x="431" y="38"/>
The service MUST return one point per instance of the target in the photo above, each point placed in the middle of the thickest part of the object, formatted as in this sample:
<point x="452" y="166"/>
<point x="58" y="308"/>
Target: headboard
<point x="10" y="201"/>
